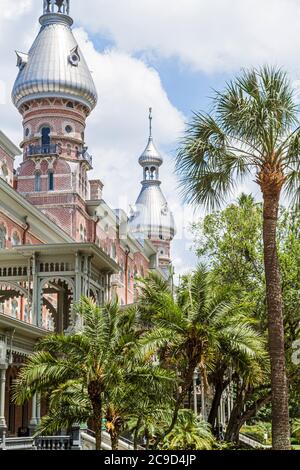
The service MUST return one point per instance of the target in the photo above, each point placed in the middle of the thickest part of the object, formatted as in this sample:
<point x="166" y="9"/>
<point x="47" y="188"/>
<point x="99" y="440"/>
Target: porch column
<point x="195" y="377"/>
<point x="38" y="407"/>
<point x="107" y="278"/>
<point x="221" y="411"/>
<point x="33" y="421"/>
<point x="36" y="313"/>
<point x="60" y="311"/>
<point x="228" y="403"/>
<point x="78" y="292"/>
<point x="2" y="403"/>
<point x="203" y="401"/>
<point x="109" y="286"/>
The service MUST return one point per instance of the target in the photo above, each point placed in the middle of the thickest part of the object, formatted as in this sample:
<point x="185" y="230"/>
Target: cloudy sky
<point x="166" y="54"/>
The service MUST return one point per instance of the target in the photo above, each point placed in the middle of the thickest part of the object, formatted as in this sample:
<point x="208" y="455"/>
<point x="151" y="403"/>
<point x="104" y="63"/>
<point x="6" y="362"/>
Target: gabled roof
<point x="8" y="145"/>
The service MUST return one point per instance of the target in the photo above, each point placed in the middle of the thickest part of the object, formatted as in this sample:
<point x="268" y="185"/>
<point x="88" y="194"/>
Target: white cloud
<point x="11" y="9"/>
<point x="117" y="133"/>
<point x="208" y="35"/>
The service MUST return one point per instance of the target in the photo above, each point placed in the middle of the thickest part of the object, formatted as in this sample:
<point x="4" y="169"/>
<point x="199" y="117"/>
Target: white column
<point x="195" y="392"/>
<point x="231" y="398"/>
<point x="224" y="411"/>
<point x="2" y="398"/>
<point x="221" y="412"/>
<point x="38" y="407"/>
<point x="33" y="421"/>
<point x="219" y="416"/>
<point x="203" y="404"/>
<point x="228" y="404"/>
<point x="36" y="309"/>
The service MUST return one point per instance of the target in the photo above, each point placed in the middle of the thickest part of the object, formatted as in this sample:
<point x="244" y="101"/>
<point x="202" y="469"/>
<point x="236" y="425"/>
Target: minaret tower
<point x="151" y="218"/>
<point x="55" y="93"/>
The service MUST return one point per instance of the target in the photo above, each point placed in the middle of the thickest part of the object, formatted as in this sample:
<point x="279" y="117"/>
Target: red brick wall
<point x="12" y="227"/>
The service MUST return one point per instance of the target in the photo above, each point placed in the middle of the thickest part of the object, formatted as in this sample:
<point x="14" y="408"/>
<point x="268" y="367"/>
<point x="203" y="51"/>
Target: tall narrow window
<point x="15" y="241"/>
<point x="50" y="181"/>
<point x="4" y="172"/>
<point x="2" y="237"/>
<point x="37" y="182"/>
<point x="45" y="139"/>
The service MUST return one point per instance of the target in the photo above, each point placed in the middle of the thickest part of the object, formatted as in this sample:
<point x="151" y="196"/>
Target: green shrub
<point x="257" y="432"/>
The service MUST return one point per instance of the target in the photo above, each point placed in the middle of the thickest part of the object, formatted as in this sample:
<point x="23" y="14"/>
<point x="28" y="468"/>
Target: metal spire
<point x="150" y="123"/>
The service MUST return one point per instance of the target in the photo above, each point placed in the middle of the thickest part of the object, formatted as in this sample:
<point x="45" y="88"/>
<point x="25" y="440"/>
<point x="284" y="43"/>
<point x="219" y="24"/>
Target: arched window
<point x="14" y="308"/>
<point x="37" y="182"/>
<point x="4" y="172"/>
<point x="82" y="233"/>
<point x="45" y="137"/>
<point x="15" y="241"/>
<point x="69" y="149"/>
<point x="2" y="237"/>
<point x="70" y="104"/>
<point x="129" y="277"/>
<point x="113" y="251"/>
<point x="50" y="181"/>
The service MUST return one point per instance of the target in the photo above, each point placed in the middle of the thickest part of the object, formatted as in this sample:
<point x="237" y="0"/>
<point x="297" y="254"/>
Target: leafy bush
<point x="257" y="432"/>
<point x="190" y="433"/>
<point x="296" y="431"/>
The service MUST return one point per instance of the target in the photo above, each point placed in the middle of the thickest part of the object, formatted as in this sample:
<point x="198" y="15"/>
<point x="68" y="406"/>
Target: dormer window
<point x="22" y="60"/>
<point x="74" y="57"/>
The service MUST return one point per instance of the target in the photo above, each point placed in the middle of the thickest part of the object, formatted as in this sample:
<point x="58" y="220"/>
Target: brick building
<point x="59" y="239"/>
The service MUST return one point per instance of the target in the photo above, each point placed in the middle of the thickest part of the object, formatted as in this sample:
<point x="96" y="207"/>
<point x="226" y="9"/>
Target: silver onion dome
<point x="150" y="155"/>
<point x="151" y="216"/>
<point x="54" y="66"/>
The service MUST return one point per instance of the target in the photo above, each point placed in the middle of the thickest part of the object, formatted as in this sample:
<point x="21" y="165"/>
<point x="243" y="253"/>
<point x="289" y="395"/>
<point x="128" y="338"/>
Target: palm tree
<point x="190" y="433"/>
<point x="68" y="403"/>
<point x="90" y="358"/>
<point x="189" y="330"/>
<point x="252" y="129"/>
<point x="94" y="373"/>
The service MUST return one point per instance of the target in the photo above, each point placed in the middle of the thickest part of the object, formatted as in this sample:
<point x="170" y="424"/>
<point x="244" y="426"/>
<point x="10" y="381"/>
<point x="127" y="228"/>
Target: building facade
<point x="59" y="239"/>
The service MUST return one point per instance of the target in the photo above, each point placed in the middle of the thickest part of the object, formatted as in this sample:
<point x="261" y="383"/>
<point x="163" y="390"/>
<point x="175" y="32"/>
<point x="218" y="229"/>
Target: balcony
<point x="37" y="150"/>
<point x="85" y="156"/>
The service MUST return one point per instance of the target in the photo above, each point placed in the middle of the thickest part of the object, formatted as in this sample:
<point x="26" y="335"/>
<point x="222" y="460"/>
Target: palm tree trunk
<point x="235" y="421"/>
<point x="219" y="389"/>
<point x="280" y="410"/>
<point x="94" y="390"/>
<point x="187" y="383"/>
<point x="114" y="441"/>
<point x="97" y="422"/>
